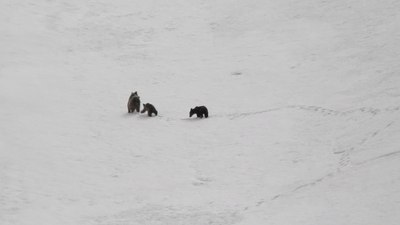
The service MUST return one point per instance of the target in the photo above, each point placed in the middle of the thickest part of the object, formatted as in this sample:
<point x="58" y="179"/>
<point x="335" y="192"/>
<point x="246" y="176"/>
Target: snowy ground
<point x="304" y="108"/>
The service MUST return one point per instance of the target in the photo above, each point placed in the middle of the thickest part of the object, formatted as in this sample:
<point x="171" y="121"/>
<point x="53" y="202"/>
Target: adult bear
<point x="134" y="102"/>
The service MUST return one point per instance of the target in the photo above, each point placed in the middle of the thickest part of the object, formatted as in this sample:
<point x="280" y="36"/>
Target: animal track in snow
<point x="317" y="109"/>
<point x="395" y="153"/>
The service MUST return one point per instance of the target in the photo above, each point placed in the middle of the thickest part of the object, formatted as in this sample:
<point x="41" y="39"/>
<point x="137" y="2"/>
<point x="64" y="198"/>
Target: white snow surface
<point x="304" y="102"/>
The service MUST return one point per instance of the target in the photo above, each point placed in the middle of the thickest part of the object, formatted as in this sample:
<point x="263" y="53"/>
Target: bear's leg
<point x="206" y="114"/>
<point x="149" y="113"/>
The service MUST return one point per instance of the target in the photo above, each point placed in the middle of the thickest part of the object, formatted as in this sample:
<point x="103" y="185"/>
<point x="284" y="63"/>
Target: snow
<point x="303" y="99"/>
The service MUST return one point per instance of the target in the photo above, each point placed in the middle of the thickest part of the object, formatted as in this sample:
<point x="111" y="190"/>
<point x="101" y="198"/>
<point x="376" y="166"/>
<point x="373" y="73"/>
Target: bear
<point x="134" y="102"/>
<point x="200" y="111"/>
<point x="150" y="109"/>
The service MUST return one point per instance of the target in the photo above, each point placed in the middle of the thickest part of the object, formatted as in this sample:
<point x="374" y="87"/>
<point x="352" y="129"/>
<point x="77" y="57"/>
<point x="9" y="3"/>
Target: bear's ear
<point x="135" y="92"/>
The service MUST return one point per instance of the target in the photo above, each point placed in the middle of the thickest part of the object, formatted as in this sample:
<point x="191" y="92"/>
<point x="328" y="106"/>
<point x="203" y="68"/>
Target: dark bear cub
<point x="134" y="102"/>
<point x="200" y="111"/>
<point x="150" y="109"/>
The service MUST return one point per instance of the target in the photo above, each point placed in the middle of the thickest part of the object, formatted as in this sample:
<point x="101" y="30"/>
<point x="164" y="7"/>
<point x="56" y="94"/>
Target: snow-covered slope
<point x="304" y="112"/>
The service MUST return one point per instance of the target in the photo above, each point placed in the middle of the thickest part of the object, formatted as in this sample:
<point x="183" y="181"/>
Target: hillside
<point x="304" y="108"/>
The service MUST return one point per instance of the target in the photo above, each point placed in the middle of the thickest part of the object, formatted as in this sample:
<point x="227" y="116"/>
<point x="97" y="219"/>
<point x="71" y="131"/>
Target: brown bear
<point x="150" y="109"/>
<point x="134" y="102"/>
<point x="200" y="111"/>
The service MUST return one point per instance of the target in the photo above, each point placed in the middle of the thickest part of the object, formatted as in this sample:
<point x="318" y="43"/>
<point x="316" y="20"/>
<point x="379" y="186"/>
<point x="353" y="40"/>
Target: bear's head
<point x="191" y="112"/>
<point x="144" y="109"/>
<point x="133" y="94"/>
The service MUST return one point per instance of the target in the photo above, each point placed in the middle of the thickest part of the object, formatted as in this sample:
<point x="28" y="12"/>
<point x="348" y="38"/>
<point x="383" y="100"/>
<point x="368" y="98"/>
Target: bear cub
<point x="150" y="109"/>
<point x="134" y="102"/>
<point x="200" y="111"/>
